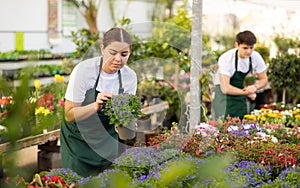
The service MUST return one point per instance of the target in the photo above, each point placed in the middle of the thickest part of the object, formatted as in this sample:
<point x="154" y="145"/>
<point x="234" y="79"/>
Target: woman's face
<point x="115" y="56"/>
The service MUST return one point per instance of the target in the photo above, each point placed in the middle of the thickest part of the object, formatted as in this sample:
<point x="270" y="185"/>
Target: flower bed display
<point x="43" y="109"/>
<point x="232" y="153"/>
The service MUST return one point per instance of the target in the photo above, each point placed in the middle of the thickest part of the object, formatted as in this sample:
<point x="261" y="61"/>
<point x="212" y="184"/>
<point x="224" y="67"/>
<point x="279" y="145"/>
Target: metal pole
<point x="196" y="65"/>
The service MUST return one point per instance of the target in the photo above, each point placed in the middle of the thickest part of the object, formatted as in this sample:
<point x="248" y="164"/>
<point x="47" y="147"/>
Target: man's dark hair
<point x="245" y="37"/>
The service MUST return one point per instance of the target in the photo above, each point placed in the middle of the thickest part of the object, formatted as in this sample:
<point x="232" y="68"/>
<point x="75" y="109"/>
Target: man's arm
<point x="261" y="83"/>
<point x="229" y="89"/>
<point x="262" y="80"/>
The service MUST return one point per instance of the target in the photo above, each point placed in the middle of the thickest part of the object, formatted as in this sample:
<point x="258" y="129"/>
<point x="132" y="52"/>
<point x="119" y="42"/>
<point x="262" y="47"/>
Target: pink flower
<point x="61" y="102"/>
<point x="51" y="108"/>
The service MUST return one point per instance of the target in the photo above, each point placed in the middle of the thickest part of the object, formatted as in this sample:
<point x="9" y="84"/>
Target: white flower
<point x="232" y="128"/>
<point x="3" y="128"/>
<point x="264" y="137"/>
<point x="274" y="139"/>
<point x="206" y="129"/>
<point x="246" y="126"/>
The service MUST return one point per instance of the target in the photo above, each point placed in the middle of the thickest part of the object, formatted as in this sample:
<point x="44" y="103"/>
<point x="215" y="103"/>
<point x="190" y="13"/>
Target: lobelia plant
<point x="249" y="173"/>
<point x="123" y="109"/>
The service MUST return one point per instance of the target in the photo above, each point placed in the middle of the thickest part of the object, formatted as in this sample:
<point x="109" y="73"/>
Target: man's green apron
<point x="219" y="102"/>
<point x="236" y="105"/>
<point x="88" y="146"/>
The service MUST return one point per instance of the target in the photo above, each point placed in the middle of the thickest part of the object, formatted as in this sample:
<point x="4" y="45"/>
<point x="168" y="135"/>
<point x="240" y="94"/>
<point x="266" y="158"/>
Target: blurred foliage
<point x="264" y="51"/>
<point x="284" y="44"/>
<point x="89" y="10"/>
<point x="17" y="119"/>
<point x="225" y="42"/>
<point x="84" y="40"/>
<point x="284" y="73"/>
<point x="33" y="55"/>
<point x="67" y="65"/>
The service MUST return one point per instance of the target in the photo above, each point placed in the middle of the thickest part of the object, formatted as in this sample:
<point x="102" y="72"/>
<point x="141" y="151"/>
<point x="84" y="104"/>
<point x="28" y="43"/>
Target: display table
<point x="49" y="150"/>
<point x="44" y="141"/>
<point x="31" y="141"/>
<point x="157" y="114"/>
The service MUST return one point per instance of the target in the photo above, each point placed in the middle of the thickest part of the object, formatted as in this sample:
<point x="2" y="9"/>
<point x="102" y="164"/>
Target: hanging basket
<point x="126" y="133"/>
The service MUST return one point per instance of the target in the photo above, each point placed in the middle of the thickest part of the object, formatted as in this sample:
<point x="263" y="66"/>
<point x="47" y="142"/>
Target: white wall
<point x="31" y="17"/>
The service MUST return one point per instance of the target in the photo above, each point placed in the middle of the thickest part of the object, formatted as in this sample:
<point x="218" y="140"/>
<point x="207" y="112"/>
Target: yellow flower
<point x="37" y="84"/>
<point x="59" y="78"/>
<point x="39" y="110"/>
<point x="272" y="115"/>
<point x="250" y="117"/>
<point x="42" y="110"/>
<point x="263" y="118"/>
<point x="295" y="111"/>
<point x="46" y="112"/>
<point x="297" y="117"/>
<point x="265" y="110"/>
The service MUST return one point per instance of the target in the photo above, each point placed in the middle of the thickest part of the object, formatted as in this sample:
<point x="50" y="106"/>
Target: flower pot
<point x="126" y="133"/>
<point x="143" y="125"/>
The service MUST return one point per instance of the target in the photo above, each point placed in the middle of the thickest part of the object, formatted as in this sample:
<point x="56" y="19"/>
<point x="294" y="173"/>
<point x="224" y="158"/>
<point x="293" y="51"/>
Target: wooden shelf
<point x="155" y="108"/>
<point x="31" y="141"/>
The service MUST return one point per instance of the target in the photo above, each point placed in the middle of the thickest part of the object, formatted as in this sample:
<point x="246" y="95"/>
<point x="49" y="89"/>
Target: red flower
<point x="55" y="178"/>
<point x="62" y="181"/>
<point x="5" y="100"/>
<point x="7" y="179"/>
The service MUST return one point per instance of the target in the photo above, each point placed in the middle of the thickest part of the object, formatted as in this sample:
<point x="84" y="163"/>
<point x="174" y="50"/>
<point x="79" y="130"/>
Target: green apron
<point x="219" y="103"/>
<point x="236" y="105"/>
<point x="88" y="146"/>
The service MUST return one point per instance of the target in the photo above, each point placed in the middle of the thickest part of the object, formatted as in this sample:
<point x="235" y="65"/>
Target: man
<point x="234" y="66"/>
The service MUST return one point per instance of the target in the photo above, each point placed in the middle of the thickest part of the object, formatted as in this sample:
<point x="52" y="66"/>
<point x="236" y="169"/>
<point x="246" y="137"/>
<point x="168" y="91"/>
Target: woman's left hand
<point x="101" y="99"/>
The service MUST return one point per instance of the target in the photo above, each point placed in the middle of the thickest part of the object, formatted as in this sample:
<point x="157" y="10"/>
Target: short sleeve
<point x="77" y="85"/>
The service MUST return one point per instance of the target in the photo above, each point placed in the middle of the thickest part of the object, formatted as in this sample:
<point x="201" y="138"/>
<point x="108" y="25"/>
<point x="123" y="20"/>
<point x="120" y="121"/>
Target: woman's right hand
<point x="101" y="99"/>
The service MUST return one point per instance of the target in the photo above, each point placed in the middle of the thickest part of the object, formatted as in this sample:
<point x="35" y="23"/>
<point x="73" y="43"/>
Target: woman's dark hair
<point x="245" y="37"/>
<point x="116" y="35"/>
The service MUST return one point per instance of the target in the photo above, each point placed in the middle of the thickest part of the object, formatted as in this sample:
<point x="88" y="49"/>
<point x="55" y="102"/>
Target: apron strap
<point x="121" y="89"/>
<point x="96" y="83"/>
<point x="236" y="62"/>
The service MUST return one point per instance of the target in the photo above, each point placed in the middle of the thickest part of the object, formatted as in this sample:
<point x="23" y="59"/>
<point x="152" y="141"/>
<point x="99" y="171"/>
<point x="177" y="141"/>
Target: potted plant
<point x="144" y="123"/>
<point x="123" y="110"/>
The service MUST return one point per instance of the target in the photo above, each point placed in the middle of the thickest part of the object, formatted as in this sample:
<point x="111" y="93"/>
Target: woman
<point x="88" y="142"/>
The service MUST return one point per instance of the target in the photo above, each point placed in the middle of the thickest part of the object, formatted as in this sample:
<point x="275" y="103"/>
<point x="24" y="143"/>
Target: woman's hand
<point x="101" y="99"/>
